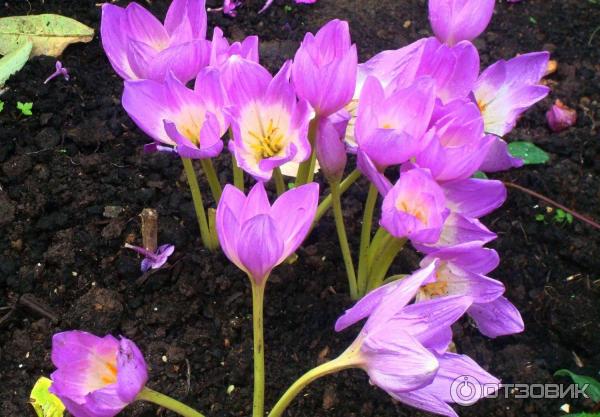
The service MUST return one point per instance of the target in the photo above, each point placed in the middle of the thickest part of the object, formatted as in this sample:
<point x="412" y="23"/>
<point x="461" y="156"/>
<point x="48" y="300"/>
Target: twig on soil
<point x="553" y="203"/>
<point x="28" y="301"/>
<point x="188" y="379"/>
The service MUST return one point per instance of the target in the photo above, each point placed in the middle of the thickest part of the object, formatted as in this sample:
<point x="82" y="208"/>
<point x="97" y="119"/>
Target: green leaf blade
<point x="593" y="390"/>
<point x="528" y="152"/>
<point x="14" y="61"/>
<point x="43" y="402"/>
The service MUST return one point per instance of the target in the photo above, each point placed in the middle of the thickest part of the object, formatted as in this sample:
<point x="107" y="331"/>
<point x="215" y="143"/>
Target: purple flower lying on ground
<point x="96" y="376"/>
<point x="561" y="117"/>
<point x="269" y="124"/>
<point x="189" y="122"/>
<point x="153" y="260"/>
<point x="140" y="47"/>
<point x="60" y="70"/>
<point x="324" y="68"/>
<point x="256" y="236"/>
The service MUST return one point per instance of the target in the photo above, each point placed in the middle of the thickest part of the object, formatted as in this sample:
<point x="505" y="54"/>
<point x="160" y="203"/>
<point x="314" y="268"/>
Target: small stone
<point x="112" y="212"/>
<point x="406" y="24"/>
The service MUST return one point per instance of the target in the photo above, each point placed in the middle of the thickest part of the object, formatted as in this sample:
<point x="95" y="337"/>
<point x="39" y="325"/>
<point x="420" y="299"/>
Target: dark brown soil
<point x="80" y="153"/>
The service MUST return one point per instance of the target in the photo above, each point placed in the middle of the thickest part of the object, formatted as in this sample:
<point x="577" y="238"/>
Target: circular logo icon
<point x="465" y="390"/>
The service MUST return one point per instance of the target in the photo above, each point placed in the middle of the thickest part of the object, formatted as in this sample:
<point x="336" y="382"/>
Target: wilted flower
<point x="453" y="21"/>
<point x="256" y="236"/>
<point x="561" y="117"/>
<point x="60" y="70"/>
<point x="324" y="68"/>
<point x="507" y="88"/>
<point x="415" y="207"/>
<point x="269" y="124"/>
<point x="153" y="260"/>
<point x="190" y="121"/>
<point x="138" y="46"/>
<point x="96" y="376"/>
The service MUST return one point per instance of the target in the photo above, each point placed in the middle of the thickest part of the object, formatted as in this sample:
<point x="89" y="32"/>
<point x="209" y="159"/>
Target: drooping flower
<point x="138" y="46"/>
<point x="497" y="318"/>
<point x="324" y="68"/>
<point x="560" y="116"/>
<point x="415" y="207"/>
<point x="96" y="376"/>
<point x="269" y="124"/>
<point x="153" y="260"/>
<point x="506" y="89"/>
<point x="453" y="21"/>
<point x="60" y="70"/>
<point x="403" y="348"/>
<point x="391" y="125"/>
<point x="189" y="122"/>
<point x="256" y="236"/>
<point x="459" y="145"/>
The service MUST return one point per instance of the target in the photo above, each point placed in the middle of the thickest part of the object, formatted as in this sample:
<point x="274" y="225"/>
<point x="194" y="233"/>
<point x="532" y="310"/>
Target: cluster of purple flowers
<point x="424" y="110"/>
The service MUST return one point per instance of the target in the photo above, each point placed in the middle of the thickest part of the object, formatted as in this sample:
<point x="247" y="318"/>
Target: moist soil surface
<point x="73" y="180"/>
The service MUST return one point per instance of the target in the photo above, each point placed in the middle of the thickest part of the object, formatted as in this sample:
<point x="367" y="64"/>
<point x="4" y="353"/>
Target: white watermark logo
<point x="466" y="390"/>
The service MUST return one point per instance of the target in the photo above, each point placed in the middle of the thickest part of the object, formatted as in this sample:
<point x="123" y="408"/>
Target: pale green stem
<point x="349" y="359"/>
<point x="212" y="227"/>
<point x="383" y="262"/>
<point x="304" y="169"/>
<point x="375" y="245"/>
<point x="343" y="238"/>
<point x="213" y="180"/>
<point x="167" y="402"/>
<point x="365" y="240"/>
<point x="279" y="182"/>
<point x="198" y="205"/>
<point x="238" y="174"/>
<point x="258" y="293"/>
<point x="344" y="185"/>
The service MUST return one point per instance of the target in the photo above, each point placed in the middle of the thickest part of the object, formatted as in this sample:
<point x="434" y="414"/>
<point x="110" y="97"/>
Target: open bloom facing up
<point x="96" y="376"/>
<point x="138" y="46"/>
<point x="324" y="69"/>
<point x="415" y="207"/>
<point x="256" y="236"/>
<point x="269" y="124"/>
<point x="390" y="125"/>
<point x="458" y="20"/>
<point x="190" y="121"/>
<point x="221" y="49"/>
<point x="507" y="88"/>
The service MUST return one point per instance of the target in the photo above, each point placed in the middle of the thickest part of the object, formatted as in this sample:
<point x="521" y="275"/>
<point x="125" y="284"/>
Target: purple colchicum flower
<point x="324" y="68"/>
<point x="138" y="46"/>
<point x="190" y="121"/>
<point x="507" y="88"/>
<point x="221" y="50"/>
<point x="60" y="70"/>
<point x="560" y="117"/>
<point x="269" y="124"/>
<point x="330" y="149"/>
<point x="453" y="21"/>
<point x="459" y="146"/>
<point x="256" y="236"/>
<point x="403" y="347"/>
<point x="96" y="376"/>
<point x="391" y="124"/>
<point x="153" y="260"/>
<point x="415" y="207"/>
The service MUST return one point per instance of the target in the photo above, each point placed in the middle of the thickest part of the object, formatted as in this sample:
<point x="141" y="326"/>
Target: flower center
<point x="110" y="374"/>
<point x="413" y="210"/>
<point x="268" y="142"/>
<point x="482" y="105"/>
<point x="439" y="288"/>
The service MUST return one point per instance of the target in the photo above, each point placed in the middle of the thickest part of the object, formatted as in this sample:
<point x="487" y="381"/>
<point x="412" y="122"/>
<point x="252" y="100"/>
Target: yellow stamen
<point x="268" y="143"/>
<point x="415" y="211"/>
<point x="111" y="376"/>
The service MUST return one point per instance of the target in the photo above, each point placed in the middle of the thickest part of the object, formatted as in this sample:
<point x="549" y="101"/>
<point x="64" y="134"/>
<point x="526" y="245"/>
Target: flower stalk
<point x="167" y="402"/>
<point x="213" y="179"/>
<point x="365" y="240"/>
<point x="258" y="293"/>
<point x="307" y="168"/>
<point x="343" y="238"/>
<point x="205" y="235"/>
